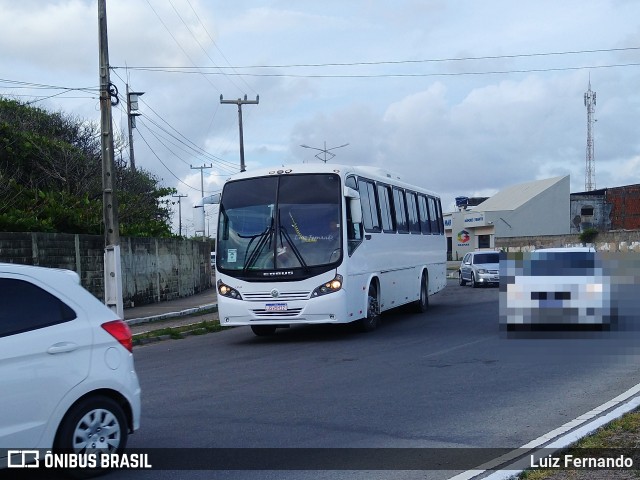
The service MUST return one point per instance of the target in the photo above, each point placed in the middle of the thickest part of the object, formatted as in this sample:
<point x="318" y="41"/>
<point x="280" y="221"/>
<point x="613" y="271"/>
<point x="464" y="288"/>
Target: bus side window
<point x="354" y="230"/>
<point x="412" y="211"/>
<point x="400" y="210"/>
<point x="384" y="197"/>
<point x="368" y="199"/>
<point x="440" y="217"/>
<point x="432" y="215"/>
<point x="424" y="215"/>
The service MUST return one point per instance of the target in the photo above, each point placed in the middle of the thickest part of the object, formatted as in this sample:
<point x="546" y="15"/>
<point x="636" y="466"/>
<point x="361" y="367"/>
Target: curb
<point x="140" y="339"/>
<point x="211" y="307"/>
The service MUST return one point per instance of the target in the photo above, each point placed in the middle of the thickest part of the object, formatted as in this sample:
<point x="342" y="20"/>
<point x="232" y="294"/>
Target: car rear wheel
<point x="461" y="280"/>
<point x="94" y="425"/>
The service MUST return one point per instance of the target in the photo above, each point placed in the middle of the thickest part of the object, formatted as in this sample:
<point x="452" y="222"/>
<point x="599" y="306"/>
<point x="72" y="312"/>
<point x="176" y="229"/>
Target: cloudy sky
<point x="464" y="97"/>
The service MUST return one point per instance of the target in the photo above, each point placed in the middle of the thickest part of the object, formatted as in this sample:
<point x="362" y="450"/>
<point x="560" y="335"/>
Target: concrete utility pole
<point x="179" y="197"/>
<point x="590" y="168"/>
<point x="201" y="175"/>
<point x="112" y="268"/>
<point x="326" y="151"/>
<point x="241" y="102"/>
<point x="132" y="107"/>
<point x="201" y="187"/>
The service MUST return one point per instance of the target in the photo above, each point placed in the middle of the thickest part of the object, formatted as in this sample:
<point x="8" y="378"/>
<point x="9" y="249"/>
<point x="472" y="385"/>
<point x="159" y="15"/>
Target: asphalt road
<point x="447" y="378"/>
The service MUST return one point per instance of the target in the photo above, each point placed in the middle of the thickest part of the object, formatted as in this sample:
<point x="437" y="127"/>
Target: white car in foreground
<point x="558" y="286"/>
<point x="66" y="364"/>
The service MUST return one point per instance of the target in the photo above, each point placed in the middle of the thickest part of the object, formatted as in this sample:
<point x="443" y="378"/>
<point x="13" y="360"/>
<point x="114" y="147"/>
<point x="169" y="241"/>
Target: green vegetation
<point x="588" y="235"/>
<point x="622" y="434"/>
<point x="200" y="328"/>
<point x="51" y="178"/>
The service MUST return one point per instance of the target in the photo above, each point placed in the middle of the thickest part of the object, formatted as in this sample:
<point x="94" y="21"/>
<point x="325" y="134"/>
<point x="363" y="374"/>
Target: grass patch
<point x="622" y="433"/>
<point x="180" y="332"/>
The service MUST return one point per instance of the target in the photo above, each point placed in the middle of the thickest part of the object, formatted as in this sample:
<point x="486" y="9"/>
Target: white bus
<point x="317" y="243"/>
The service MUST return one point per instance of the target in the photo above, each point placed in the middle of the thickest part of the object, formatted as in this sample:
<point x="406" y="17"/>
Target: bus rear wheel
<point x="263" y="330"/>
<point x="422" y="304"/>
<point x="371" y="321"/>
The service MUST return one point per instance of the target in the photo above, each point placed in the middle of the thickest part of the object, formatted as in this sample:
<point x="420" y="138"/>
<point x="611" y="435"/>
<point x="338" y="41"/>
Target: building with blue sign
<point x="541" y="207"/>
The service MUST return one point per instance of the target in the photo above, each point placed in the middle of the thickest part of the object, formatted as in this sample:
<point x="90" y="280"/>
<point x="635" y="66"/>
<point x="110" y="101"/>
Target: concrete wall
<point x="153" y="269"/>
<point x="614" y="241"/>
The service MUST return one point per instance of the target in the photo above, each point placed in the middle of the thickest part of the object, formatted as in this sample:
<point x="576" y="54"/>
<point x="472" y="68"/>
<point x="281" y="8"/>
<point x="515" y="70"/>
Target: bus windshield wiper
<point x="263" y="239"/>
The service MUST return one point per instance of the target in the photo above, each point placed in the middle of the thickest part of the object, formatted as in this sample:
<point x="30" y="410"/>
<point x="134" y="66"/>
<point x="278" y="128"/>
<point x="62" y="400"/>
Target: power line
<point x="187" y="144"/>
<point x="178" y="43"/>
<point x="191" y="145"/>
<point x="196" y="38"/>
<point x="216" y="46"/>
<point x="400" y="62"/>
<point x="168" y="169"/>
<point x="394" y="75"/>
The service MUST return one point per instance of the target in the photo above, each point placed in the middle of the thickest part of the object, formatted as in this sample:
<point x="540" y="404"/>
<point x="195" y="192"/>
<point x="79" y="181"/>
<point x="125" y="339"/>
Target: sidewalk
<point x="172" y="313"/>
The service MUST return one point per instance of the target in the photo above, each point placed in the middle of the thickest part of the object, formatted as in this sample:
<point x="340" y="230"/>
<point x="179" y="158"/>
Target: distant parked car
<point x="556" y="286"/>
<point x="480" y="268"/>
<point x="66" y="364"/>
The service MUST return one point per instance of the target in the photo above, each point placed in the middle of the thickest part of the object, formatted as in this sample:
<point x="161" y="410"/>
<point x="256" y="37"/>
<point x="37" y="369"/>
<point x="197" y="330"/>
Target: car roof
<point x="48" y="275"/>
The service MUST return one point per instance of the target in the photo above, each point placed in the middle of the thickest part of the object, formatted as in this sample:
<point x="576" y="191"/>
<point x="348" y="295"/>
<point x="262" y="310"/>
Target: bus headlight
<point x="226" y="291"/>
<point x="329" y="287"/>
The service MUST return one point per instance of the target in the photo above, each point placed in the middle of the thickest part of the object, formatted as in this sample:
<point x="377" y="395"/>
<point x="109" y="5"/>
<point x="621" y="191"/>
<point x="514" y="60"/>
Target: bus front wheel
<point x="371" y="321"/>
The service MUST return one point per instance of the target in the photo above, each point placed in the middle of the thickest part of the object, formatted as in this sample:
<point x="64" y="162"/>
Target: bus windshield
<point x="277" y="223"/>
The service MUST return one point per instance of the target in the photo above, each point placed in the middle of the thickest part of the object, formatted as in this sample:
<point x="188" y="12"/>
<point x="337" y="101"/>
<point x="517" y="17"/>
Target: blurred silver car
<point x="480" y="268"/>
<point x="558" y="286"/>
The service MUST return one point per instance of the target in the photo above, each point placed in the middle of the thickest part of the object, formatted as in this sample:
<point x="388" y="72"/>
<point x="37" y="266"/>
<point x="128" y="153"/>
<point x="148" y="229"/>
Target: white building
<point x="541" y="207"/>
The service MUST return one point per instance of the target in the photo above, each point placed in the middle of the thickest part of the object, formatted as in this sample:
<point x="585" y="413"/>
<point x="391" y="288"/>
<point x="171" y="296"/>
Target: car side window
<point x="26" y="306"/>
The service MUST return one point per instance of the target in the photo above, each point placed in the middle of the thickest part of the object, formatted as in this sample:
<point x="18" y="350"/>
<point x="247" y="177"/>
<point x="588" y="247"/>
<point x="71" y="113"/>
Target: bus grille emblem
<point x="275" y="293"/>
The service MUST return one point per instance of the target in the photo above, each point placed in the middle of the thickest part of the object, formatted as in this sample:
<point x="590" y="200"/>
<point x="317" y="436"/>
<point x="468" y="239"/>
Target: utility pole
<point x="112" y="267"/>
<point x="179" y="197"/>
<point x="326" y="151"/>
<point x="590" y="169"/>
<point x="132" y="107"/>
<point x="201" y="175"/>
<point x="201" y="187"/>
<point x="241" y="102"/>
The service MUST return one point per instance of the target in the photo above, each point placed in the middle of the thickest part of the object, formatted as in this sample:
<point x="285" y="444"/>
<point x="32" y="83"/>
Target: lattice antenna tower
<point x="590" y="169"/>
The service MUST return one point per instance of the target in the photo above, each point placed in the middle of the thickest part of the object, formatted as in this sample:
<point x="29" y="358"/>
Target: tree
<point x="51" y="178"/>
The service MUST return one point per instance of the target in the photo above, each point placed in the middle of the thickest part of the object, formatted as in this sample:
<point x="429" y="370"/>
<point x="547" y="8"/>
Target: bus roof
<point x="373" y="173"/>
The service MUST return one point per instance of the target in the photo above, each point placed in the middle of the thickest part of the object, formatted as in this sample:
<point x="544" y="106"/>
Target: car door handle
<point x="62" y="347"/>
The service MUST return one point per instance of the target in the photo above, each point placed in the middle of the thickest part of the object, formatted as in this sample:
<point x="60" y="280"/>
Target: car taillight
<point x="121" y="332"/>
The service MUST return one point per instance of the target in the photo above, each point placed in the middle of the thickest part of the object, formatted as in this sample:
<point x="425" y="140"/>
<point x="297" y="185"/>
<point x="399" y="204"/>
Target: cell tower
<point x="590" y="171"/>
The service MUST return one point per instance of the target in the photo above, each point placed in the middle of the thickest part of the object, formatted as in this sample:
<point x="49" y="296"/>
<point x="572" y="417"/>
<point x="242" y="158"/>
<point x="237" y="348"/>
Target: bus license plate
<point x="276" y="307"/>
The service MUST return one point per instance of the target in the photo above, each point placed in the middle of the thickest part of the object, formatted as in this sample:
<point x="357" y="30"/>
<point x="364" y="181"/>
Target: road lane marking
<point x="564" y="436"/>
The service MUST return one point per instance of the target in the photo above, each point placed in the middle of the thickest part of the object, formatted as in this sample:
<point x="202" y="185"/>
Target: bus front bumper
<point x="330" y="308"/>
